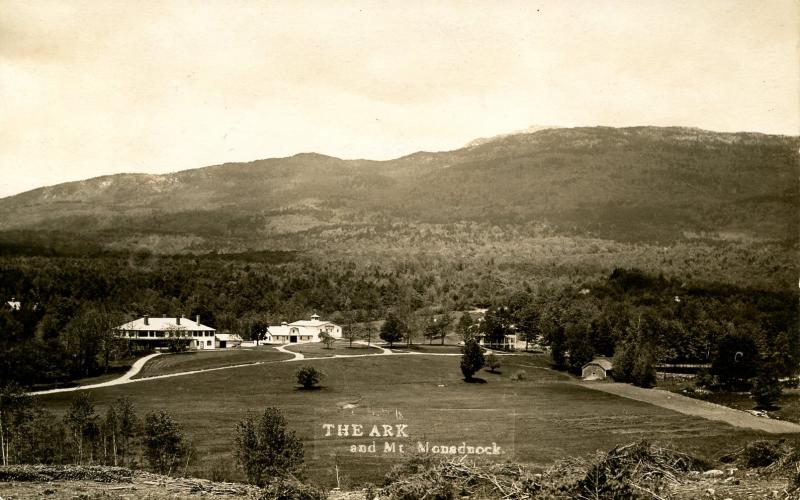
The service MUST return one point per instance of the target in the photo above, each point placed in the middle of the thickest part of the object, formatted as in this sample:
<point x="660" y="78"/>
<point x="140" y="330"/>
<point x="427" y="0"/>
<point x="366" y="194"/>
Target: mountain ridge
<point x="618" y="183"/>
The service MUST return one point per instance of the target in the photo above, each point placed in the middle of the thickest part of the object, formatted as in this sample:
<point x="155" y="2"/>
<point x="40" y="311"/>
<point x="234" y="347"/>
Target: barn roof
<point x="228" y="337"/>
<point x="604" y="363"/>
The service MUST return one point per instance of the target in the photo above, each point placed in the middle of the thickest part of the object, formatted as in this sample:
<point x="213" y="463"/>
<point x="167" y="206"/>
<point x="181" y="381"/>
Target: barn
<point x="596" y="369"/>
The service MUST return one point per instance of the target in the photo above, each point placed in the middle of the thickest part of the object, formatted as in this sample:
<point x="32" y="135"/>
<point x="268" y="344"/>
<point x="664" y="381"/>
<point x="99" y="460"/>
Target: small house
<point x="597" y="369"/>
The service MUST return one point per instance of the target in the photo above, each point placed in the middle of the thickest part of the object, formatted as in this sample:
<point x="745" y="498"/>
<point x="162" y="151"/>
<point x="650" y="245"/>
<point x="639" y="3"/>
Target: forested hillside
<point x="530" y="219"/>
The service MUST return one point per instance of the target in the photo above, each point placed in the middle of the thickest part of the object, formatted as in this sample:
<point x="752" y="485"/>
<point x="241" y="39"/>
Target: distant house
<point x="596" y="369"/>
<point x="157" y="333"/>
<point x="227" y="340"/>
<point x="302" y="331"/>
<point x="16" y="305"/>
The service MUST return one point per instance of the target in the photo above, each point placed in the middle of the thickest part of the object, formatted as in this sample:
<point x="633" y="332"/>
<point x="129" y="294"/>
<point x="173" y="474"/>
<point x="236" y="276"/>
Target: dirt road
<point x="695" y="407"/>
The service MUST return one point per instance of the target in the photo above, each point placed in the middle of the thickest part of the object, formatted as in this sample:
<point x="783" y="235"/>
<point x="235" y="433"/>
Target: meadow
<point x="537" y="420"/>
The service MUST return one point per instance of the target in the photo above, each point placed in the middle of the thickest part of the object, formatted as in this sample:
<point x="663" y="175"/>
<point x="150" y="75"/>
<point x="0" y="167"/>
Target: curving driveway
<point x="136" y="367"/>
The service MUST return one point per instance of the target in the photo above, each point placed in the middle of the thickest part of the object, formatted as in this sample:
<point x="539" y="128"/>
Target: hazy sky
<point x="96" y="87"/>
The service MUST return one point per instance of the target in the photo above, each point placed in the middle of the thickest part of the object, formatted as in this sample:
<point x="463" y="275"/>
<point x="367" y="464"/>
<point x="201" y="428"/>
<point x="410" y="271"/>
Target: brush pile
<point x="100" y="474"/>
<point x="432" y="478"/>
<point x="637" y="470"/>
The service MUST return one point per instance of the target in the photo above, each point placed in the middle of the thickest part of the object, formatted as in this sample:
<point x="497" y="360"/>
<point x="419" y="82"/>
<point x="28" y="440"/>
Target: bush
<point x="492" y="362"/>
<point x="308" y="376"/>
<point x="518" y="376"/>
<point x="265" y="448"/>
<point x="704" y="379"/>
<point x="761" y="453"/>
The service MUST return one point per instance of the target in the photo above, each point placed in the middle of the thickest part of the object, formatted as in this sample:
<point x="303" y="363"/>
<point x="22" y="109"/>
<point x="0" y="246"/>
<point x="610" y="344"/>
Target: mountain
<point x="647" y="184"/>
<point x="529" y="130"/>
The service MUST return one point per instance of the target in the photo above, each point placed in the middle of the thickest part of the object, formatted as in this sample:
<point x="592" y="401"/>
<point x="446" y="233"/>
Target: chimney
<point x="177" y="320"/>
<point x="146" y="320"/>
<point x="197" y="319"/>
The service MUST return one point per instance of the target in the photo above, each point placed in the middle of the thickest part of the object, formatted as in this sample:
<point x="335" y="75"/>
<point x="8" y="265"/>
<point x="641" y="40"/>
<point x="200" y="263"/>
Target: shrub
<point x="761" y="453"/>
<point x="492" y="362"/>
<point x="265" y="448"/>
<point x="704" y="379"/>
<point x="518" y="376"/>
<point x="308" y="376"/>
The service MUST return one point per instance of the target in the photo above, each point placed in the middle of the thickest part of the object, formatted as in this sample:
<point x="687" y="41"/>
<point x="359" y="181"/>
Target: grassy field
<point x="536" y="421"/>
<point x="339" y="348"/>
<point x="198" y="360"/>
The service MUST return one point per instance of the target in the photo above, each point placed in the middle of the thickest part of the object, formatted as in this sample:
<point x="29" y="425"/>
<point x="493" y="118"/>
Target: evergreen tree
<point x="767" y="389"/>
<point x="471" y="359"/>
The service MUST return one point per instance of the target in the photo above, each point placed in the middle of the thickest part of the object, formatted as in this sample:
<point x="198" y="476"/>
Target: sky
<point x="89" y="88"/>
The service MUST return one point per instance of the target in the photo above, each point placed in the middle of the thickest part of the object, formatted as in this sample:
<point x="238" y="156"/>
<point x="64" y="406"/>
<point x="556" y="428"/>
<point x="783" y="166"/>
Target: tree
<point x="464" y="326"/>
<point x="265" y="448"/>
<point x="767" y="389"/>
<point x="471" y="359"/>
<point x="368" y="329"/>
<point x="392" y="329"/>
<point x="14" y="405"/>
<point x="164" y="444"/>
<point x="81" y="420"/>
<point x="579" y="345"/>
<point x="327" y="339"/>
<point x="258" y="329"/>
<point x="129" y="428"/>
<point x="350" y="333"/>
<point x="308" y="376"/>
<point x="432" y="330"/>
<point x="493" y="362"/>
<point x="177" y="340"/>
<point x="644" y="367"/>
<point x="444" y="323"/>
<point x="736" y="360"/>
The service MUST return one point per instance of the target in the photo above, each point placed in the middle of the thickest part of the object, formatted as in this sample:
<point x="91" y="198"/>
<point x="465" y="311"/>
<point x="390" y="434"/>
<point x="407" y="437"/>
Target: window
<point x="208" y="342"/>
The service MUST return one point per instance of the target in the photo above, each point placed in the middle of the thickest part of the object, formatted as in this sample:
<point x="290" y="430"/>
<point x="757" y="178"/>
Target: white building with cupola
<point x="303" y="331"/>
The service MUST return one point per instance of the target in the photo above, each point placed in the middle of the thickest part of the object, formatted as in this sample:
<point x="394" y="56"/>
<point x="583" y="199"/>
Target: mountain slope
<point x="642" y="183"/>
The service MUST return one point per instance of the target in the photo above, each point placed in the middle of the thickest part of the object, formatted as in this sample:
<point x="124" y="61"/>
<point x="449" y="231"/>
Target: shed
<point x="596" y="369"/>
<point x="227" y="340"/>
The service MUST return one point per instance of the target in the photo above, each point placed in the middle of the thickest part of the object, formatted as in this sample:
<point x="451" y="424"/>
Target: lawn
<point x="427" y="348"/>
<point x="339" y="347"/>
<point x="537" y="420"/>
<point x="198" y="360"/>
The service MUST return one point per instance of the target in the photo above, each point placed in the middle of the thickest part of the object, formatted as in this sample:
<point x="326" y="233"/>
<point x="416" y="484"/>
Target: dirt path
<point x="134" y="370"/>
<point x="695" y="407"/>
